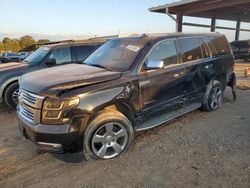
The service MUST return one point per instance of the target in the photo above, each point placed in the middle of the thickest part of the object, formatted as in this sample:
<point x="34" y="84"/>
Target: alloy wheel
<point x="109" y="140"/>
<point x="15" y="96"/>
<point x="216" y="97"/>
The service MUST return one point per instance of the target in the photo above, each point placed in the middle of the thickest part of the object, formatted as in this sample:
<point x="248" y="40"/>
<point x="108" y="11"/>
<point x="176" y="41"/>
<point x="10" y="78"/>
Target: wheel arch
<point x="120" y="106"/>
<point x="7" y="84"/>
<point x="222" y="78"/>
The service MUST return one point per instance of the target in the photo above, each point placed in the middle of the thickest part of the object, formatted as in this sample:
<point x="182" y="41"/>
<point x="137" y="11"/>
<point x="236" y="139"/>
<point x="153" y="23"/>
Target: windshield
<point x="37" y="56"/>
<point x="115" y="55"/>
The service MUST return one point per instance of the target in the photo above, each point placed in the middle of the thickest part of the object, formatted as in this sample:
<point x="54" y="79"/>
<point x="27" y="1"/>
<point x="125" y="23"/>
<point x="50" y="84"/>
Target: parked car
<point x="127" y="85"/>
<point x="23" y="55"/>
<point x="10" y="57"/>
<point x="241" y="49"/>
<point x="46" y="56"/>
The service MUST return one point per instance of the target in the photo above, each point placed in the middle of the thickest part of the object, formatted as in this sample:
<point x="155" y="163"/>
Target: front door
<point x="162" y="89"/>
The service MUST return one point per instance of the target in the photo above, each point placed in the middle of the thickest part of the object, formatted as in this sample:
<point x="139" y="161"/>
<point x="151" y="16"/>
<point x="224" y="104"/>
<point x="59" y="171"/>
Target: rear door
<point x="197" y="65"/>
<point x="162" y="89"/>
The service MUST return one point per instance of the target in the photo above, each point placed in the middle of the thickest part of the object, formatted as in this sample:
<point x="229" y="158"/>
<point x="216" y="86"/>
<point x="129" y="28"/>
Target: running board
<point x="166" y="117"/>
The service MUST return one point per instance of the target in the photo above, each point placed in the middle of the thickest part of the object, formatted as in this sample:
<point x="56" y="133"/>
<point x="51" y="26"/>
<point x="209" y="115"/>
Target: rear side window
<point x="82" y="52"/>
<point x="211" y="46"/>
<point x="221" y="45"/>
<point x="190" y="49"/>
<point x="164" y="51"/>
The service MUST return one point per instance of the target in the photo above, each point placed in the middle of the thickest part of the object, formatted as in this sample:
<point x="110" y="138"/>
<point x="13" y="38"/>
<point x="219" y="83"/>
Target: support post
<point x="237" y="33"/>
<point x="213" y="23"/>
<point x="179" y="21"/>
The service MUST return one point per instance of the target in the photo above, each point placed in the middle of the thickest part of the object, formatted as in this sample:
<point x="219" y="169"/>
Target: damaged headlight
<point x="54" y="109"/>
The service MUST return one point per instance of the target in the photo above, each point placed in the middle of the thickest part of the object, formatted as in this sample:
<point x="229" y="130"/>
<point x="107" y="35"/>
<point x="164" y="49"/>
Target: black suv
<point x="127" y="85"/>
<point x="241" y="49"/>
<point x="44" y="57"/>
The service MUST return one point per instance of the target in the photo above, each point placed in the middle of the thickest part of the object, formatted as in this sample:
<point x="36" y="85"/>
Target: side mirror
<point x="50" y="62"/>
<point x="154" y="64"/>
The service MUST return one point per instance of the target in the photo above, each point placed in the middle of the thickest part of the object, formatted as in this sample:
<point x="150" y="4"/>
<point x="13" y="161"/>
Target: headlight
<point x="54" y="109"/>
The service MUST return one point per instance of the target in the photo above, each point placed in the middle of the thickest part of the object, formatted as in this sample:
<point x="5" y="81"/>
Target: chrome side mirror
<point x="154" y="64"/>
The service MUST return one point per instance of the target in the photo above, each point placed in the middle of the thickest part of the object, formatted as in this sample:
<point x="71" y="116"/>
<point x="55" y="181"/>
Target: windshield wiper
<point x="97" y="65"/>
<point x="25" y="61"/>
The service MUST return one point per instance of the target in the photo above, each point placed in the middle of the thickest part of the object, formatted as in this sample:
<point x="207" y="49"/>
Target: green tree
<point x="26" y="41"/>
<point x="6" y="40"/>
<point x="11" y="45"/>
<point x="1" y="47"/>
<point x="43" y="41"/>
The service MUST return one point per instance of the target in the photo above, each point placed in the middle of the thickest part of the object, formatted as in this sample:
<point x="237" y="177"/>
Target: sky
<point x="67" y="19"/>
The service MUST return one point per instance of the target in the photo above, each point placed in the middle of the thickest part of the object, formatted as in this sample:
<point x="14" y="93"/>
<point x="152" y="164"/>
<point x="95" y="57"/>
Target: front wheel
<point x="107" y="136"/>
<point x="11" y="95"/>
<point x="213" y="100"/>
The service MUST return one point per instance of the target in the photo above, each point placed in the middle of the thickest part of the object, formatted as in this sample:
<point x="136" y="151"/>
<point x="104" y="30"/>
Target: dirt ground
<point x="197" y="150"/>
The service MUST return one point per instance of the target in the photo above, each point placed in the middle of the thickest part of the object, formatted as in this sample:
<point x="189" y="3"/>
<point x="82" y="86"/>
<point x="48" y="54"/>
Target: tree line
<point x="21" y="44"/>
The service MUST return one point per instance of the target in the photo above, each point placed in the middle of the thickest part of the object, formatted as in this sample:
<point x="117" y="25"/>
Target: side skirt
<point x="166" y="117"/>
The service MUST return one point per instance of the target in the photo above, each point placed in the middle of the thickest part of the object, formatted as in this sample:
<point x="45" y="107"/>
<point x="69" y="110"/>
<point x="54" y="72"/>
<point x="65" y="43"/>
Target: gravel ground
<point x="196" y="150"/>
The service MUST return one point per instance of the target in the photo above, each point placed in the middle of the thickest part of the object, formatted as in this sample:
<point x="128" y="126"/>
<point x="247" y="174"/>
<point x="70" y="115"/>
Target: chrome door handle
<point x="176" y="75"/>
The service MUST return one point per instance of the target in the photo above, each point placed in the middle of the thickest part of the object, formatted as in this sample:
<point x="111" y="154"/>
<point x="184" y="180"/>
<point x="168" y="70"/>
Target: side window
<point x="211" y="46"/>
<point x="82" y="52"/>
<point x="164" y="51"/>
<point x="221" y="45"/>
<point x="61" y="55"/>
<point x="190" y="49"/>
<point x="205" y="50"/>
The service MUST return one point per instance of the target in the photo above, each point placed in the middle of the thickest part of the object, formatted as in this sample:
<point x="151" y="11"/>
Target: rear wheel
<point x="213" y="100"/>
<point x="107" y="136"/>
<point x="11" y="95"/>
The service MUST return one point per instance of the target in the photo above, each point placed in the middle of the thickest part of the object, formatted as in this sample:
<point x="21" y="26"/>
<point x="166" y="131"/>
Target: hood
<point x="12" y="66"/>
<point x="52" y="81"/>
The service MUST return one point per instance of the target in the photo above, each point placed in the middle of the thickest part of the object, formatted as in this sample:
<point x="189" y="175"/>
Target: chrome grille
<point x="29" y="106"/>
<point x="31" y="99"/>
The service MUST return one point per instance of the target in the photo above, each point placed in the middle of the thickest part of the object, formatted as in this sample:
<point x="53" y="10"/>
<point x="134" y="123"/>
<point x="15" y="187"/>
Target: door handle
<point x="176" y="75"/>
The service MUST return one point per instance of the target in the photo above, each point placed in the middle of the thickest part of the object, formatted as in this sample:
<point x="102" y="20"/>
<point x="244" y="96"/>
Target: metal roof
<point x="223" y="9"/>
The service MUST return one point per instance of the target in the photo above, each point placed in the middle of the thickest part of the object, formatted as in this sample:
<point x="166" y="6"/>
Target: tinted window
<point x="164" y="51"/>
<point x="211" y="46"/>
<point x="82" y="52"/>
<point x="221" y="44"/>
<point x="190" y="49"/>
<point x="61" y="55"/>
<point x="205" y="49"/>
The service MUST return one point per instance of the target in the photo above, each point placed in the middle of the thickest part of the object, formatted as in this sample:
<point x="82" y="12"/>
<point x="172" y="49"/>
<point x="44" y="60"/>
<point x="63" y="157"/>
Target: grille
<point x="31" y="99"/>
<point x="29" y="106"/>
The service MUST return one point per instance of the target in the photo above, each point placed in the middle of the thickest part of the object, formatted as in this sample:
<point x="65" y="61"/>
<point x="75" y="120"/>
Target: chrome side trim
<point x="157" y="121"/>
<point x="49" y="144"/>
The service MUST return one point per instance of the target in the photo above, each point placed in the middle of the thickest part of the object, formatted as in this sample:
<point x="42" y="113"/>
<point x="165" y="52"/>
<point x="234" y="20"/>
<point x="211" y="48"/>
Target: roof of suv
<point x="77" y="42"/>
<point x="155" y="36"/>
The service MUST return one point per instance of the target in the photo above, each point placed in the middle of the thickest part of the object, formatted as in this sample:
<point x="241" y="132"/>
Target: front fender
<point x="93" y="102"/>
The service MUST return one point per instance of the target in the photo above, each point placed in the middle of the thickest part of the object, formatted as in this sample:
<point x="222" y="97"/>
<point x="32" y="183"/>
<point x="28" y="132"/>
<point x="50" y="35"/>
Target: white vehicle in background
<point x="23" y="55"/>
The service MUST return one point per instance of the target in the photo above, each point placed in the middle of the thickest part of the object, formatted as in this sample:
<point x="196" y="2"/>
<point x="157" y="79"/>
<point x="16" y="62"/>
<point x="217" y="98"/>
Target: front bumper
<point x="51" y="138"/>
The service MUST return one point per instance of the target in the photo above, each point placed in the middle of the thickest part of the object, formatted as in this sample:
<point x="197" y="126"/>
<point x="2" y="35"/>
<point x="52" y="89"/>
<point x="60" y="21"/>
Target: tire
<point x="11" y="95"/>
<point x="103" y="141"/>
<point x="213" y="97"/>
